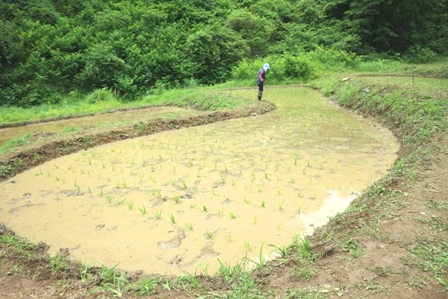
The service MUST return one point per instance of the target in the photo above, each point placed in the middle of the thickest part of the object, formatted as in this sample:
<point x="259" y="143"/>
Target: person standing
<point x="261" y="77"/>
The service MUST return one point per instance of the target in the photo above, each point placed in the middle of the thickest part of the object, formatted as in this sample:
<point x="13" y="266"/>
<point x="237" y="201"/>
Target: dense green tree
<point x="50" y="47"/>
<point x="389" y="26"/>
<point x="213" y="50"/>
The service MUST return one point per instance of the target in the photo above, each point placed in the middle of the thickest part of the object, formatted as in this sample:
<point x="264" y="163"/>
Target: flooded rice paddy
<point x="184" y="200"/>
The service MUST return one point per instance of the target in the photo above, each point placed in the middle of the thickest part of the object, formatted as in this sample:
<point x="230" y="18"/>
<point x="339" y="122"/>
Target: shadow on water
<point x="179" y="200"/>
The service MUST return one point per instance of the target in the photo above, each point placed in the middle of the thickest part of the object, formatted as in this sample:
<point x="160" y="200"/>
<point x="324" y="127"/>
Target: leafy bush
<point x="418" y="54"/>
<point x="302" y="66"/>
<point x="100" y="95"/>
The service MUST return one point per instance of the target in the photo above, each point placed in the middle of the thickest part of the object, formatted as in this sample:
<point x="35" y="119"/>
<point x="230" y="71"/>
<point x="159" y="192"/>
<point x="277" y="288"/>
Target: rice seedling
<point x="109" y="199"/>
<point x="266" y="175"/>
<point x="156" y="192"/>
<point x="299" y="194"/>
<point x="281" y="204"/>
<point x="173" y="220"/>
<point x="157" y="214"/>
<point x="101" y="192"/>
<point x="176" y="199"/>
<point x="76" y="185"/>
<point x="279" y="192"/>
<point x="130" y="205"/>
<point x="229" y="237"/>
<point x="204" y="208"/>
<point x="234" y="182"/>
<point x="263" y="204"/>
<point x="292" y="180"/>
<point x="247" y="245"/>
<point x="209" y="234"/>
<point x="188" y="225"/>
<point x="142" y="210"/>
<point x="90" y="191"/>
<point x="220" y="212"/>
<point x="184" y="184"/>
<point x="246" y="200"/>
<point x="232" y="215"/>
<point x="255" y="220"/>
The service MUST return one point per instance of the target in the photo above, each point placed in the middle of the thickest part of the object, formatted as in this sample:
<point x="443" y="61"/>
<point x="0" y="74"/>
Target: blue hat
<point x="266" y="66"/>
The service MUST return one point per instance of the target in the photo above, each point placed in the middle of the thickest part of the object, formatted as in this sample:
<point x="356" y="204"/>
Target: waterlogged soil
<point x="190" y="199"/>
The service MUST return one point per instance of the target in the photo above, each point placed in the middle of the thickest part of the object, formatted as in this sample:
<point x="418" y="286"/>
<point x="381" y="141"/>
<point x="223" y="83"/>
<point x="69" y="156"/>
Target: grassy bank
<point x="405" y="212"/>
<point x="104" y="101"/>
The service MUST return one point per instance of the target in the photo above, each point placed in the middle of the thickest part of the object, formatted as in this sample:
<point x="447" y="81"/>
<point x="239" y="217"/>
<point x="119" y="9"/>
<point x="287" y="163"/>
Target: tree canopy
<point x="49" y="48"/>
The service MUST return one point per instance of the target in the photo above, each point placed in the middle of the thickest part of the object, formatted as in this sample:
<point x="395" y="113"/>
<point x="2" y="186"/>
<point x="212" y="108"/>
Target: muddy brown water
<point x="189" y="199"/>
<point x="108" y="119"/>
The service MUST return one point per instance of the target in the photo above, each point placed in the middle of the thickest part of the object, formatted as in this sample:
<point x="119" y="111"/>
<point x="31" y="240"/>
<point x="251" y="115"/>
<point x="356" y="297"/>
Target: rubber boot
<point x="259" y="95"/>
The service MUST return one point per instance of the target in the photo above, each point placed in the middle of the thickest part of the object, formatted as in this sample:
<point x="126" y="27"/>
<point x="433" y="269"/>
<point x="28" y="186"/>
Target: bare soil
<point x="398" y="217"/>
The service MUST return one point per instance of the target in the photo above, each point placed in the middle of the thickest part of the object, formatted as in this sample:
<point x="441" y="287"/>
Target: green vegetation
<point x="63" y="58"/>
<point x="63" y="51"/>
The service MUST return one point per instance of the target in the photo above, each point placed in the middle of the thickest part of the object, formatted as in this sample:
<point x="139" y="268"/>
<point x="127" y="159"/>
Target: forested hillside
<point x="52" y="48"/>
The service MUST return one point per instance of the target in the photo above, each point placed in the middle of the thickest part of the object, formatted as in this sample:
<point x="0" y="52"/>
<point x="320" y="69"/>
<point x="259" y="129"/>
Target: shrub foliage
<point x="49" y="48"/>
